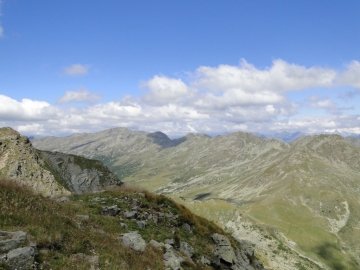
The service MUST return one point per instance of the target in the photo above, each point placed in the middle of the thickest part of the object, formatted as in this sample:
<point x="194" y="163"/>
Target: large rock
<point x="20" y="162"/>
<point x="79" y="174"/>
<point x="172" y="260"/>
<point x="134" y="241"/>
<point x="21" y="258"/>
<point x="186" y="249"/>
<point x="11" y="240"/>
<point x="224" y="253"/>
<point x="110" y="210"/>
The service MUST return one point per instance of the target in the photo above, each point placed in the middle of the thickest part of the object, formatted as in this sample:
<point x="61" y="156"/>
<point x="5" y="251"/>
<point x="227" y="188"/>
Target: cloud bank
<point x="81" y="95"/>
<point x="215" y="100"/>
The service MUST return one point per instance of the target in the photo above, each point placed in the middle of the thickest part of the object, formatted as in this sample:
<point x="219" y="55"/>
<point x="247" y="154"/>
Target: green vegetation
<point x="59" y="233"/>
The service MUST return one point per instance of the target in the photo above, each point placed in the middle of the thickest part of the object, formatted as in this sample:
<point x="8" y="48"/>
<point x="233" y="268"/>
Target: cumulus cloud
<point x="27" y="109"/>
<point x="164" y="90"/>
<point x="280" y="77"/>
<point x="351" y="76"/>
<point x="77" y="70"/>
<point x="81" y="95"/>
<point x="215" y="100"/>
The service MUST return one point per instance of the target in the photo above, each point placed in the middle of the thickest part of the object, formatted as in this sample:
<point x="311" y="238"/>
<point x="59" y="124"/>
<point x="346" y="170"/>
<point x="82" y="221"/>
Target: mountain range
<point x="297" y="202"/>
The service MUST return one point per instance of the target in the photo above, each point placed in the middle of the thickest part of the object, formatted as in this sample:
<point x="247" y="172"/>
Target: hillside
<point x="301" y="196"/>
<point x="121" y="228"/>
<point x="49" y="173"/>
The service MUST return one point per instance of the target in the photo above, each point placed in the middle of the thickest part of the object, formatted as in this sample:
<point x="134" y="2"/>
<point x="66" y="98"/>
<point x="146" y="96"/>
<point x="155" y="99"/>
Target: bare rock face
<point x="224" y="253"/>
<point x="225" y="257"/>
<point x="78" y="174"/>
<point x="20" y="162"/>
<point x="52" y="174"/>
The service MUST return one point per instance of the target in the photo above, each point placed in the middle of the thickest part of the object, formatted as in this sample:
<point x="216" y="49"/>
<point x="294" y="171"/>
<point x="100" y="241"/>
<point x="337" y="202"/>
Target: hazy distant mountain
<point x="353" y="140"/>
<point x="305" y="194"/>
<point x="283" y="136"/>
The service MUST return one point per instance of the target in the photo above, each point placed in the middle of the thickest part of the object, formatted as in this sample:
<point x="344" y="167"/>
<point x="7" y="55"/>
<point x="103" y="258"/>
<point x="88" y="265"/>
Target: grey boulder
<point x="11" y="240"/>
<point x="110" y="210"/>
<point x="130" y="214"/>
<point x="21" y="258"/>
<point x="172" y="260"/>
<point x="186" y="249"/>
<point x="134" y="241"/>
<point x="224" y="253"/>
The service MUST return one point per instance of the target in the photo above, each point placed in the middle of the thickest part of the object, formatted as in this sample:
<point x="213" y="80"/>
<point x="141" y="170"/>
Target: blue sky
<point x="180" y="66"/>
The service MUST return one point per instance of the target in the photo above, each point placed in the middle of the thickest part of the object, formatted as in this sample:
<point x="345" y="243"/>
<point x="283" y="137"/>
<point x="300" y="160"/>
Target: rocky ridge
<point x="310" y="185"/>
<point x="49" y="173"/>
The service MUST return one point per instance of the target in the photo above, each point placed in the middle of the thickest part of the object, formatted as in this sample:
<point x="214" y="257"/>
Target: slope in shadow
<point x="163" y="140"/>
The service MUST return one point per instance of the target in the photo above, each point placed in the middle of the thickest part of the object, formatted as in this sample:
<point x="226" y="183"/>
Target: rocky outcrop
<point x="78" y="174"/>
<point x="20" y="162"/>
<point x="13" y="252"/>
<point x="175" y="251"/>
<point x="52" y="174"/>
<point x="226" y="258"/>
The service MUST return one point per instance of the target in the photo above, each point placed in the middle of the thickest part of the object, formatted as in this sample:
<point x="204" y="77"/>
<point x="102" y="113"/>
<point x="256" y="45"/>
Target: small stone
<point x="130" y="214"/>
<point x="63" y="199"/>
<point x="123" y="225"/>
<point x="186" y="227"/>
<point x="141" y="224"/>
<point x="110" y="210"/>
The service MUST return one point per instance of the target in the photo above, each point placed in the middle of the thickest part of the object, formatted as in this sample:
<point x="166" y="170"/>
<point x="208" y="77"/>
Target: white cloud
<point x="27" y="109"/>
<point x="281" y="77"/>
<point x="351" y="76"/>
<point x="77" y="70"/>
<point x="81" y="95"/>
<point x="217" y="100"/>
<point x="164" y="90"/>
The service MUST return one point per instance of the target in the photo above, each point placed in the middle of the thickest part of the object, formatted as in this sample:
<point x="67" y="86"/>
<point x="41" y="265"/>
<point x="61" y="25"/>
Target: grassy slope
<point x="59" y="233"/>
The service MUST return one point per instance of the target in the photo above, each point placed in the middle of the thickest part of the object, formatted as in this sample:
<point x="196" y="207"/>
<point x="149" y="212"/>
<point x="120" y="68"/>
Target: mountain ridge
<point x="49" y="173"/>
<point x="309" y="186"/>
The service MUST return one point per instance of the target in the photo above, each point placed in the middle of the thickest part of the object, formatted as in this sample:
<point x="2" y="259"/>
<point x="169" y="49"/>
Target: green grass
<point x="59" y="233"/>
